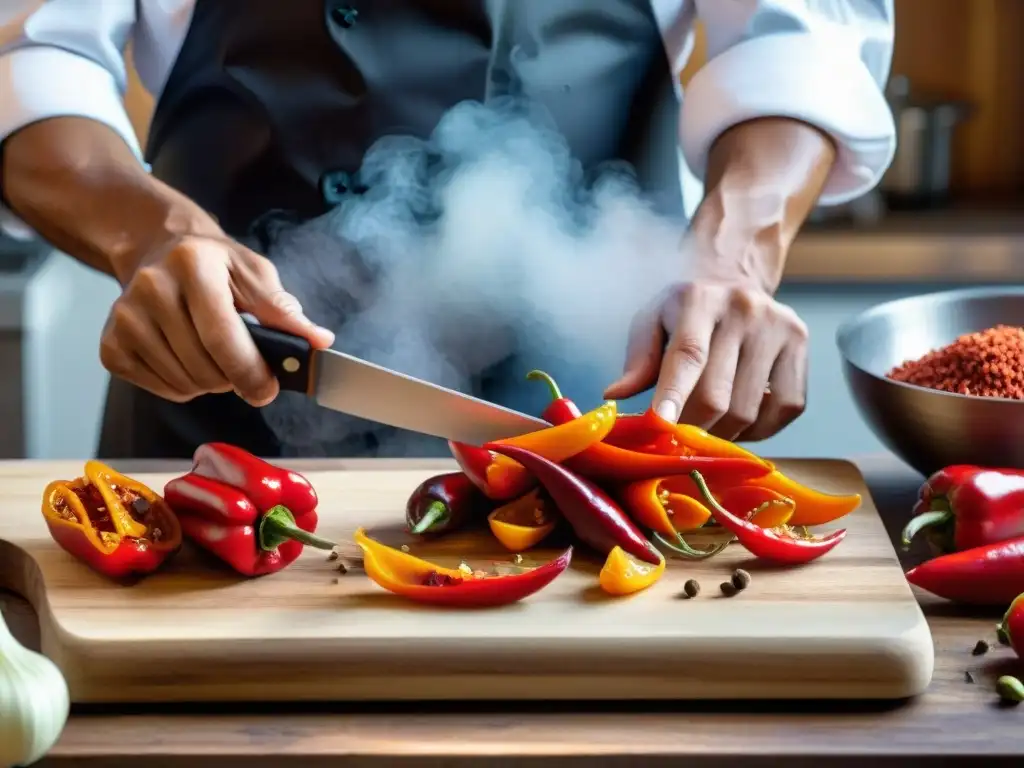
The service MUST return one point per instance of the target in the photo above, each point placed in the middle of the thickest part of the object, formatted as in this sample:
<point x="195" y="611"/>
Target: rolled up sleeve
<point x="825" y="64"/>
<point x="64" y="58"/>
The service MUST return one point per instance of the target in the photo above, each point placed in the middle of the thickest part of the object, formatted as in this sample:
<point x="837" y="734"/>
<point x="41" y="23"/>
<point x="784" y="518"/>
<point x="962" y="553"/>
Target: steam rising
<point x="484" y="241"/>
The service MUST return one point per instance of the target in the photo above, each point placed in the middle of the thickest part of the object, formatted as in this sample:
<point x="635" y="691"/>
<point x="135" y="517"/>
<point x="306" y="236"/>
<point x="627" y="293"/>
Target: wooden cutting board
<point x="846" y="626"/>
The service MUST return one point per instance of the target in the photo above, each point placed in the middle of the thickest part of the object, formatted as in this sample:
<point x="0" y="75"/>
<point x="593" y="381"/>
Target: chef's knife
<point x="360" y="388"/>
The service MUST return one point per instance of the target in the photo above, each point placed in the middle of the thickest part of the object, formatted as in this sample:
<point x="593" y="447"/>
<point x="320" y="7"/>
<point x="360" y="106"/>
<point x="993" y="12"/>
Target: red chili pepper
<point x="416" y="579"/>
<point x="989" y="575"/>
<point x="443" y="503"/>
<point x="595" y="518"/>
<point x="500" y="479"/>
<point x="1011" y="629"/>
<point x="254" y="516"/>
<point x="604" y="462"/>
<point x="561" y="409"/>
<point x="776" y="544"/>
<point x="964" y="506"/>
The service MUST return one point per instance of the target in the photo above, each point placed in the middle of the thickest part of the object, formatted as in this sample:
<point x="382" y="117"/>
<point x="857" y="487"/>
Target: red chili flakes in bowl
<point x="989" y="363"/>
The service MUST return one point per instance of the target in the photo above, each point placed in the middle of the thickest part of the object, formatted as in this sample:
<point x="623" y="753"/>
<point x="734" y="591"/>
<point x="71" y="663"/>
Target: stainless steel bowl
<point x="926" y="428"/>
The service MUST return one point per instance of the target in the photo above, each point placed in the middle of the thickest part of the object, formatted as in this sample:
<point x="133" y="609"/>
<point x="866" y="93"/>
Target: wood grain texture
<point x="846" y="626"/>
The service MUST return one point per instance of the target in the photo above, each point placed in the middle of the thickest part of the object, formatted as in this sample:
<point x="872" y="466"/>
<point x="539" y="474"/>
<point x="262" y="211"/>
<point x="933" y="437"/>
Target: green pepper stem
<point x="278" y="526"/>
<point x="435" y="513"/>
<point x="684" y="549"/>
<point x="556" y="393"/>
<point x="925" y="520"/>
<point x="709" y="500"/>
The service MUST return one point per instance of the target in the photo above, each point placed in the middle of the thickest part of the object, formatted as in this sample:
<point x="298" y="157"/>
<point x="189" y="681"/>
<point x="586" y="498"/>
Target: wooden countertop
<point x="955" y="721"/>
<point x="977" y="244"/>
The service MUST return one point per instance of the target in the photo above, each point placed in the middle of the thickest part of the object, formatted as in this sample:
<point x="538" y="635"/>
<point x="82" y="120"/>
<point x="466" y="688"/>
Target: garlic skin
<point x="34" y="702"/>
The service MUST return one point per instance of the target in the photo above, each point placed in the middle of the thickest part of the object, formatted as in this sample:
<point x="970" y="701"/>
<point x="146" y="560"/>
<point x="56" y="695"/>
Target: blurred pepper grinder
<point x="919" y="177"/>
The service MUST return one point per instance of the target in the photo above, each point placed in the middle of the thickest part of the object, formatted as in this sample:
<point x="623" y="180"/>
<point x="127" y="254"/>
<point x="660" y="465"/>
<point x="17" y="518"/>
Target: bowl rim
<point x="847" y="327"/>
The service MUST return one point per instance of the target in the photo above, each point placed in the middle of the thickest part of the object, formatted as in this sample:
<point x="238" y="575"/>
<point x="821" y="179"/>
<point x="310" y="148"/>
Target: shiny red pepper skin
<point x="964" y="506"/>
<point x="989" y="575"/>
<point x="609" y="463"/>
<point x="595" y="518"/>
<point x="768" y="543"/>
<point x="1011" y="630"/>
<point x="254" y="516"/>
<point x="443" y="503"/>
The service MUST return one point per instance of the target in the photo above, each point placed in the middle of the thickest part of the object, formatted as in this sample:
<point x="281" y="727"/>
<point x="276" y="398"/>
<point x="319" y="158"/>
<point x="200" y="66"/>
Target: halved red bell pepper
<point x="254" y="516"/>
<point x="779" y="545"/>
<point x="112" y="523"/>
<point x="409" y="576"/>
<point x="964" y="506"/>
<point x="501" y="478"/>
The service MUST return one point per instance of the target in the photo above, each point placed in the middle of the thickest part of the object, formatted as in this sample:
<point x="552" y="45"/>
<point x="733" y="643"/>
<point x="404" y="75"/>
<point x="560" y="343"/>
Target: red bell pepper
<point x="992" y="574"/>
<point x="963" y="506"/>
<point x="1011" y="629"/>
<point x="416" y="579"/>
<point x="595" y="518"/>
<point x="443" y="503"/>
<point x="779" y="545"/>
<point x="254" y="516"/>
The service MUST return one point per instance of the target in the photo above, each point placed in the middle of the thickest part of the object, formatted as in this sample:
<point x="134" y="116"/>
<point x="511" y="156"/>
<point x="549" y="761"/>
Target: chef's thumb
<point x="281" y="310"/>
<point x="643" y="359"/>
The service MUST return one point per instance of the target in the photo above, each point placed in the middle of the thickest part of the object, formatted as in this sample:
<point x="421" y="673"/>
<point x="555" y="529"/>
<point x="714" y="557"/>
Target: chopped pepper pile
<point x="620" y="483"/>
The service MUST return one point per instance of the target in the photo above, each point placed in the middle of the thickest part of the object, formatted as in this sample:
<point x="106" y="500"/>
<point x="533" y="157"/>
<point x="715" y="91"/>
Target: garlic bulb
<point x="34" y="702"/>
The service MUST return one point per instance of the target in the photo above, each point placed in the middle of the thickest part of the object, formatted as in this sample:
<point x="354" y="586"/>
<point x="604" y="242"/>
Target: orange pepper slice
<point x="764" y="507"/>
<point x="523" y="523"/>
<point x="652" y="504"/>
<point x="564" y="441"/>
<point x="623" y="574"/>
<point x="812" y="507"/>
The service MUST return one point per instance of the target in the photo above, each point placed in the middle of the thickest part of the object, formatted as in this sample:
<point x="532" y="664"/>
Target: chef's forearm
<point x="80" y="187"/>
<point x="763" y="179"/>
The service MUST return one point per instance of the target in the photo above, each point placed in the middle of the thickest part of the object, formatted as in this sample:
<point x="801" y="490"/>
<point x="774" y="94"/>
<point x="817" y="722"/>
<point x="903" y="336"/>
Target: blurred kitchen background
<point x="949" y="213"/>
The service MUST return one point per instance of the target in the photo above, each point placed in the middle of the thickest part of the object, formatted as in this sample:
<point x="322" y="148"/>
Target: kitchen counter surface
<point x="969" y="245"/>
<point x="955" y="721"/>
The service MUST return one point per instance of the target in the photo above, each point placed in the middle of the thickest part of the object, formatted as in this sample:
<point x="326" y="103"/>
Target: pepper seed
<point x="740" y="579"/>
<point x="728" y="588"/>
<point x="980" y="649"/>
<point x="332" y="557"/>
<point x="691" y="588"/>
<point x="342" y="568"/>
<point x="968" y="677"/>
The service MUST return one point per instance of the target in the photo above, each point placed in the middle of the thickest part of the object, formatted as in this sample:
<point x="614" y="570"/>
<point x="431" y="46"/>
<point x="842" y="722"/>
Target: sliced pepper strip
<point x="764" y="507"/>
<point x="653" y="505"/>
<point x="775" y="544"/>
<point x="650" y="431"/>
<point x="523" y="523"/>
<point x="92" y="519"/>
<point x="812" y="507"/>
<point x="623" y="574"/>
<point x="502" y="478"/>
<point x="416" y="579"/>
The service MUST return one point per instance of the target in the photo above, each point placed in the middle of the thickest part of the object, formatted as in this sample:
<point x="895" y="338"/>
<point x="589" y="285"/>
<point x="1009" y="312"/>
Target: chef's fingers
<point x="788" y="393"/>
<point x="710" y="399"/>
<point x="257" y="289"/>
<point x="162" y="299"/>
<point x="203" y="269"/>
<point x="760" y="349"/>
<point x="643" y="355"/>
<point x="132" y="349"/>
<point x="686" y="354"/>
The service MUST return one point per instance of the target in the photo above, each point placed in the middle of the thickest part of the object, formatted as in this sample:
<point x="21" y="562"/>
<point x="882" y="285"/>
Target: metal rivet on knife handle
<point x="290" y="364"/>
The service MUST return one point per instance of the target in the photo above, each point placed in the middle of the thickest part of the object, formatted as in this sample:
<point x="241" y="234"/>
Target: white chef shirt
<point x="821" y="61"/>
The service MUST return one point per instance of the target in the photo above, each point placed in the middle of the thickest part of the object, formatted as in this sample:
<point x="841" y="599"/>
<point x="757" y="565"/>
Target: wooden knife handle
<point x="289" y="357"/>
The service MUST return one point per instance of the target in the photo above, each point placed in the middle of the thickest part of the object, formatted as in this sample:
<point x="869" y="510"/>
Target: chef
<point x="263" y="105"/>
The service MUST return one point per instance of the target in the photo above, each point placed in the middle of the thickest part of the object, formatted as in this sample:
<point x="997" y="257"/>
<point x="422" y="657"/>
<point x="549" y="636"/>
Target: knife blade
<point x="360" y="388"/>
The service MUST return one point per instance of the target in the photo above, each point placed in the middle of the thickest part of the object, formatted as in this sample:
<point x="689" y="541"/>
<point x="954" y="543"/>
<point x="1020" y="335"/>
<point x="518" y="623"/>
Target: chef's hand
<point x="712" y="348"/>
<point x="176" y="331"/>
<point x="719" y="350"/>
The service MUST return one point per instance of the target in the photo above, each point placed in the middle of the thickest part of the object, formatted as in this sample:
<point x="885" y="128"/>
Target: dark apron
<point x="271" y="107"/>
